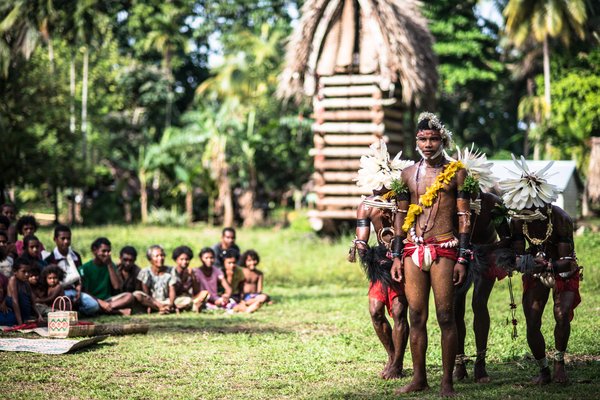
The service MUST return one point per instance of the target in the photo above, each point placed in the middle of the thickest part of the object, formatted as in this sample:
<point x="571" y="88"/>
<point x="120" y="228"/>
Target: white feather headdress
<point x="529" y="188"/>
<point x="477" y="166"/>
<point x="377" y="171"/>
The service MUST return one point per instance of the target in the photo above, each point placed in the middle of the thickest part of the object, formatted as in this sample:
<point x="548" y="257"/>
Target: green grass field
<point x="316" y="341"/>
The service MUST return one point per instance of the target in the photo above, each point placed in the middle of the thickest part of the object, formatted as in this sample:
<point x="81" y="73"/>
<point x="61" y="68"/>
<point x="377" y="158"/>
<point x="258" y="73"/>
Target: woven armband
<point x="464" y="250"/>
<point x="403" y="196"/>
<point x="363" y="222"/>
<point x="397" y="247"/>
<point x="463" y="195"/>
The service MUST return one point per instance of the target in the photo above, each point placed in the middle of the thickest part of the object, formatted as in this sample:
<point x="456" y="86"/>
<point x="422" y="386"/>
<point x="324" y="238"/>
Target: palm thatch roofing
<point x="392" y="32"/>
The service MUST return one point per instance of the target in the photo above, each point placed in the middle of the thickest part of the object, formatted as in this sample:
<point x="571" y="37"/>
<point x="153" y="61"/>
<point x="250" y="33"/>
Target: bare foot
<point x="447" y="390"/>
<point x="413" y="387"/>
<point x="479" y="372"/>
<point x="460" y="372"/>
<point x="125" y="311"/>
<point x="560" y="373"/>
<point x="543" y="378"/>
<point x="392" y="372"/>
<point x="385" y="368"/>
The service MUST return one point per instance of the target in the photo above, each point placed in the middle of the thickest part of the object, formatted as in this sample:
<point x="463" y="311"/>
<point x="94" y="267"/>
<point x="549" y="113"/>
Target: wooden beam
<point x="348" y="127"/>
<point x="337" y="165"/>
<point x="353" y="115"/>
<point x="340" y="202"/>
<point x="348" y="80"/>
<point x="339" y="176"/>
<point x="340" y="189"/>
<point x="348" y="91"/>
<point x="351" y="102"/>
<point x="353" y="140"/>
<point x="341" y="152"/>
<point x="333" y="214"/>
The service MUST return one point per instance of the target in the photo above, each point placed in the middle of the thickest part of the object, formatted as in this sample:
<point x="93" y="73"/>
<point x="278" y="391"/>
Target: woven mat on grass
<point x="47" y="346"/>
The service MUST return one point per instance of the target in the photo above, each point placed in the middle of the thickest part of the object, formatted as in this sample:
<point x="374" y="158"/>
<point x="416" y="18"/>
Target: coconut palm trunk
<point x="84" y="101"/>
<point x="547" y="76"/>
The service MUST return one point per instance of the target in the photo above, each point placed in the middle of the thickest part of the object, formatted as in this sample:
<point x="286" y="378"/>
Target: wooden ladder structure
<point x="351" y="112"/>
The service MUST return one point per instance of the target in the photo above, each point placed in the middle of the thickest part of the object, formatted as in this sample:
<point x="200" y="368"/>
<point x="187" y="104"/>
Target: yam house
<point x="367" y="66"/>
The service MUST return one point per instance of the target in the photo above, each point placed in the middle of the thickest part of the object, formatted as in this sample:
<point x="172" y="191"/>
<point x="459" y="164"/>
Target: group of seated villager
<point x="31" y="278"/>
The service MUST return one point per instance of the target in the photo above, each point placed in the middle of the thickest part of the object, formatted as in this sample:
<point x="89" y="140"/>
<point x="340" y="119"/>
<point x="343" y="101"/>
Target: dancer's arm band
<point x="403" y="196"/>
<point x="464" y="248"/>
<point x="464" y="195"/>
<point x="397" y="247"/>
<point x="363" y="222"/>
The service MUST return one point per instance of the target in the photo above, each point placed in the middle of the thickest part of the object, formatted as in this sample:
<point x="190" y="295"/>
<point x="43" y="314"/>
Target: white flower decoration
<point x="377" y="171"/>
<point x="528" y="189"/>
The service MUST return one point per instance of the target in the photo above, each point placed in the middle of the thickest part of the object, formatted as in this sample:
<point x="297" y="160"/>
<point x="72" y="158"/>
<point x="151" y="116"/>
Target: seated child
<point x="129" y="270"/>
<point x="47" y="288"/>
<point x="26" y="225"/>
<point x="208" y="277"/>
<point x="7" y="316"/>
<point x="253" y="298"/>
<point x="182" y="280"/>
<point x="32" y="248"/>
<point x="22" y="297"/>
<point x="6" y="260"/>
<point x="234" y="275"/>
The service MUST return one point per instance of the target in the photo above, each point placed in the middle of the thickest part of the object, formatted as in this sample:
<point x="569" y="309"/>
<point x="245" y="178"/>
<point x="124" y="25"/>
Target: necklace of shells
<point x="536" y="241"/>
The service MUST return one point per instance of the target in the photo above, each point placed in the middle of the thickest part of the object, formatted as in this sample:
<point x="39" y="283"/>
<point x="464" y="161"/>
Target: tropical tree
<point x="243" y="83"/>
<point x="545" y="19"/>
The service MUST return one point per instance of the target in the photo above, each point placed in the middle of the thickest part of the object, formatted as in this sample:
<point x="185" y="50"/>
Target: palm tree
<point x="244" y="79"/>
<point x="545" y="19"/>
<point x="166" y="37"/>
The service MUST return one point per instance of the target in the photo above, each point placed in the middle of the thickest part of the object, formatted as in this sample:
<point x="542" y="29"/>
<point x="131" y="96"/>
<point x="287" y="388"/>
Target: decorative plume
<point x="477" y="166"/>
<point x="377" y="171"/>
<point x="529" y="188"/>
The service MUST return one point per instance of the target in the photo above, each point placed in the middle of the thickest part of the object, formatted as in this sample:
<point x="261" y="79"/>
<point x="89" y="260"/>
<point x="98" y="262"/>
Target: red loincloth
<point x="434" y="248"/>
<point x="377" y="292"/>
<point x="561" y="285"/>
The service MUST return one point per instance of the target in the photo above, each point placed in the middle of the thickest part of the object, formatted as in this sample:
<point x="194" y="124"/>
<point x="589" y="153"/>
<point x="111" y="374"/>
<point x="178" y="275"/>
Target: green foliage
<point x="398" y="187"/>
<point x="476" y="96"/>
<point x="470" y="185"/>
<point x="167" y="217"/>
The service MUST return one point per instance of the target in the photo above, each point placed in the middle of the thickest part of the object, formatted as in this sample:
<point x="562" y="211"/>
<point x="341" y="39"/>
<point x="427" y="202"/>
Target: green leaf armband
<point x="470" y="185"/>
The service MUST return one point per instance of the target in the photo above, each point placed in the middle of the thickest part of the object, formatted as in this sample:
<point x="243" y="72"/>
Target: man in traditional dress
<point x="378" y="174"/>
<point x="548" y="263"/>
<point x="432" y="256"/>
<point x="490" y="231"/>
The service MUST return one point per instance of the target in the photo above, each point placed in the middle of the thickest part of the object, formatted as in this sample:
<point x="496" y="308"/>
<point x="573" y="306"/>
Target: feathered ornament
<point x="529" y="188"/>
<point x="377" y="171"/>
<point x="477" y="166"/>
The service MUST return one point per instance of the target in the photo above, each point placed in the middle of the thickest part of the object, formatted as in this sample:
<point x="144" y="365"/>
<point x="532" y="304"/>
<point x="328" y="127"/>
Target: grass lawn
<point x="316" y="341"/>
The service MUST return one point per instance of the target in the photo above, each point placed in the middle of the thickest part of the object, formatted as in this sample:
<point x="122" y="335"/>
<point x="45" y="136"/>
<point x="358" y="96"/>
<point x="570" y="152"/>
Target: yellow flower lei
<point x="427" y="198"/>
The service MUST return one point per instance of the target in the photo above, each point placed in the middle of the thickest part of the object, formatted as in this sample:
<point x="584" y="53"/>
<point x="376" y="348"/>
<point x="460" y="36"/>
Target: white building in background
<point x="563" y="174"/>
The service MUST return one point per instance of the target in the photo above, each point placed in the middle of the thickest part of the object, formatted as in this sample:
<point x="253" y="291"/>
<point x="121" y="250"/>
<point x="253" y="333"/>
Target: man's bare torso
<point x="439" y="218"/>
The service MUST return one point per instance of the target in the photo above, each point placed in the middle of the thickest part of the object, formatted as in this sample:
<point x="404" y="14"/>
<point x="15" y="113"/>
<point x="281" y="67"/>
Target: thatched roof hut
<point x="367" y="64"/>
<point x="387" y="38"/>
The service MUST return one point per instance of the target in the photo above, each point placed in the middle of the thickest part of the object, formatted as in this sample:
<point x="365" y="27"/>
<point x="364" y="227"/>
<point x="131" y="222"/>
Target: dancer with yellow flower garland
<point x="431" y="256"/>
